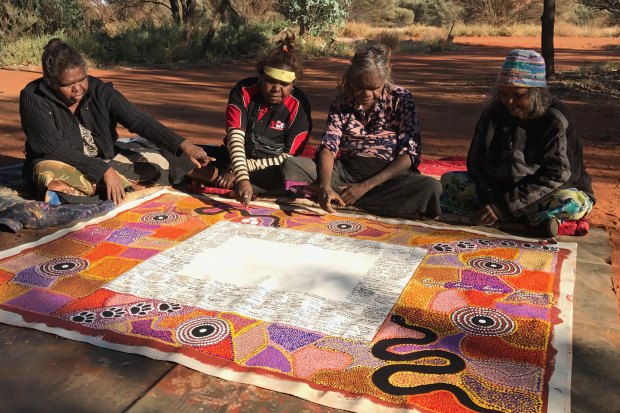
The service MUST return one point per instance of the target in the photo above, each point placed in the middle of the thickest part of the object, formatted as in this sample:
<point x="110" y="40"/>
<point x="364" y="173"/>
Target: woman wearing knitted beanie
<point x="525" y="162"/>
<point x="267" y="121"/>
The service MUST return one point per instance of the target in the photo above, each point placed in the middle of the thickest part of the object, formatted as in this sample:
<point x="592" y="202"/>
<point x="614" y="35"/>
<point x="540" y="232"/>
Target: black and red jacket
<point x="289" y="120"/>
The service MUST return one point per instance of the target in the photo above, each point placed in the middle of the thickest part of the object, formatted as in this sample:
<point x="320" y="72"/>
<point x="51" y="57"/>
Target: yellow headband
<point x="279" y="74"/>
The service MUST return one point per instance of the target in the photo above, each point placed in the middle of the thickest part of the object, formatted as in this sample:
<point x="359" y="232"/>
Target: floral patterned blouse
<point x="391" y="128"/>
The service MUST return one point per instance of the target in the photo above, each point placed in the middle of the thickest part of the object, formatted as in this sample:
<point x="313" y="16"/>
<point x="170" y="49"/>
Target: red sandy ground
<point x="449" y="89"/>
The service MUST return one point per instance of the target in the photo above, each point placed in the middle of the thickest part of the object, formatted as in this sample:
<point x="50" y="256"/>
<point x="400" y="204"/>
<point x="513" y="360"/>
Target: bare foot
<point x="60" y="186"/>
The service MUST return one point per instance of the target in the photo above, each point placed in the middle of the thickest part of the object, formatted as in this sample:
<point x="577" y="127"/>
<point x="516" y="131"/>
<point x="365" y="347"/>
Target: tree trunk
<point x="189" y="9"/>
<point x="215" y="23"/>
<point x="174" y="7"/>
<point x="302" y="26"/>
<point x="548" y="23"/>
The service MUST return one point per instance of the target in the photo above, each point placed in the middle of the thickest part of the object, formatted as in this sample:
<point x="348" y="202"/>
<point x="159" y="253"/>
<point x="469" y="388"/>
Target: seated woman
<point x="70" y="118"/>
<point x="267" y="121"/>
<point x="371" y="146"/>
<point x="525" y="162"/>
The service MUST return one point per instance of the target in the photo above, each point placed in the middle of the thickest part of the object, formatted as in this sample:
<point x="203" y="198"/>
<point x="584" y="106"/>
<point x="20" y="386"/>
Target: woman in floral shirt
<point x="371" y="146"/>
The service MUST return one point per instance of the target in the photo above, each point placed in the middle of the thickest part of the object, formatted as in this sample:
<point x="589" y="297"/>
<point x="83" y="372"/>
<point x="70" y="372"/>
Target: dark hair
<point x="370" y="57"/>
<point x="57" y="57"/>
<point x="540" y="100"/>
<point x="285" y="54"/>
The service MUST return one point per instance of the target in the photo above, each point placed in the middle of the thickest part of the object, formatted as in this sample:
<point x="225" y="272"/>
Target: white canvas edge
<point x="559" y="385"/>
<point x="327" y="398"/>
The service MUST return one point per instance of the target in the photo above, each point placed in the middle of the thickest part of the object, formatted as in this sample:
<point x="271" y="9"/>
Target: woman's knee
<point x="427" y="185"/>
<point x="48" y="171"/>
<point x="298" y="169"/>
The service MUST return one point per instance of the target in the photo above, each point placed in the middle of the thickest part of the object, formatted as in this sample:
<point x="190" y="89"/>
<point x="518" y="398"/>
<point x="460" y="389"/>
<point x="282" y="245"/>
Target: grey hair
<point x="369" y="58"/>
<point x="540" y="100"/>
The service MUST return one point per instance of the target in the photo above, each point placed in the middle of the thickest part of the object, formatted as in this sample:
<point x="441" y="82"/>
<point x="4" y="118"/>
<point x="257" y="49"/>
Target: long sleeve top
<point x="288" y="122"/>
<point x="516" y="165"/>
<point x="53" y="133"/>
<point x="390" y="130"/>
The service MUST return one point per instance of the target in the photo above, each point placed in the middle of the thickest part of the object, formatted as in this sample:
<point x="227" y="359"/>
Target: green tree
<point x="314" y="16"/>
<point x="610" y="6"/>
<point x="432" y="12"/>
<point x="403" y="16"/>
<point x="224" y="11"/>
<point x="15" y="21"/>
<point x="52" y="15"/>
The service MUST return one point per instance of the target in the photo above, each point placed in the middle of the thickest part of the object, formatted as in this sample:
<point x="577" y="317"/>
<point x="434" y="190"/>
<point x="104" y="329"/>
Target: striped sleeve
<point x="263" y="163"/>
<point x="235" y="143"/>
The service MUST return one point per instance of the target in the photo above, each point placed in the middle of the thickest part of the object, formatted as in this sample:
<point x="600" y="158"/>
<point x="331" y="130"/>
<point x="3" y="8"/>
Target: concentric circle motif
<point x="161" y="218"/>
<point x="61" y="266"/>
<point x="494" y="266"/>
<point x="482" y="321"/>
<point x="345" y="227"/>
<point x="205" y="331"/>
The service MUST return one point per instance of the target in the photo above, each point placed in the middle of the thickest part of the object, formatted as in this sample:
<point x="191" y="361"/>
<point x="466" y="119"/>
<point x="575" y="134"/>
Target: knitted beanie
<point x="523" y="68"/>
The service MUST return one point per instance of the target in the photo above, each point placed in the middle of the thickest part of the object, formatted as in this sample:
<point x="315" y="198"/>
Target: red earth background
<point x="449" y="89"/>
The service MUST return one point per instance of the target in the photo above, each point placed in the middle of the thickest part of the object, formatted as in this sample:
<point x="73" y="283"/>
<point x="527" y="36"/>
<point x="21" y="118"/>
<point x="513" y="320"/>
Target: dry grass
<point x="562" y="29"/>
<point x="357" y="30"/>
<point x="391" y="39"/>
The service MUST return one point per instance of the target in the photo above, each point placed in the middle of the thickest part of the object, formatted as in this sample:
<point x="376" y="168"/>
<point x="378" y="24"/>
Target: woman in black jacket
<point x="525" y="162"/>
<point x="70" y="118"/>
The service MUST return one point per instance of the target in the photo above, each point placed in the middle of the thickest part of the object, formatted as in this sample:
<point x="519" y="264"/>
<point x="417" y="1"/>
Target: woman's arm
<point x="476" y="156"/>
<point x="554" y="170"/>
<point x="139" y="122"/>
<point x="409" y="140"/>
<point x="324" y="169"/>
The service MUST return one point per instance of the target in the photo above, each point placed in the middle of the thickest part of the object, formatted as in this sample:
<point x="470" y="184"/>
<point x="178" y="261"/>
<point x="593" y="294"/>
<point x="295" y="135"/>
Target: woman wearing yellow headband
<point x="267" y="121"/>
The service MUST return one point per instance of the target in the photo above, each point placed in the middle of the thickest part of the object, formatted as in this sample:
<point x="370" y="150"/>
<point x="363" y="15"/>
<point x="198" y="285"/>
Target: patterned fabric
<point x="391" y="129"/>
<point x="40" y="215"/>
<point x="90" y="147"/>
<point x="483" y="325"/>
<point x="523" y="68"/>
<point x="138" y="161"/>
<point x="459" y="197"/>
<point x="47" y="171"/>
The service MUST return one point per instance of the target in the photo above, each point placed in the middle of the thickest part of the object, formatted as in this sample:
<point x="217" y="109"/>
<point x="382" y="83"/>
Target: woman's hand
<point x="195" y="153"/>
<point x="353" y="192"/>
<point x="225" y="179"/>
<point x="487" y="216"/>
<point x="243" y="192"/>
<point x="114" y="186"/>
<point x="326" y="196"/>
